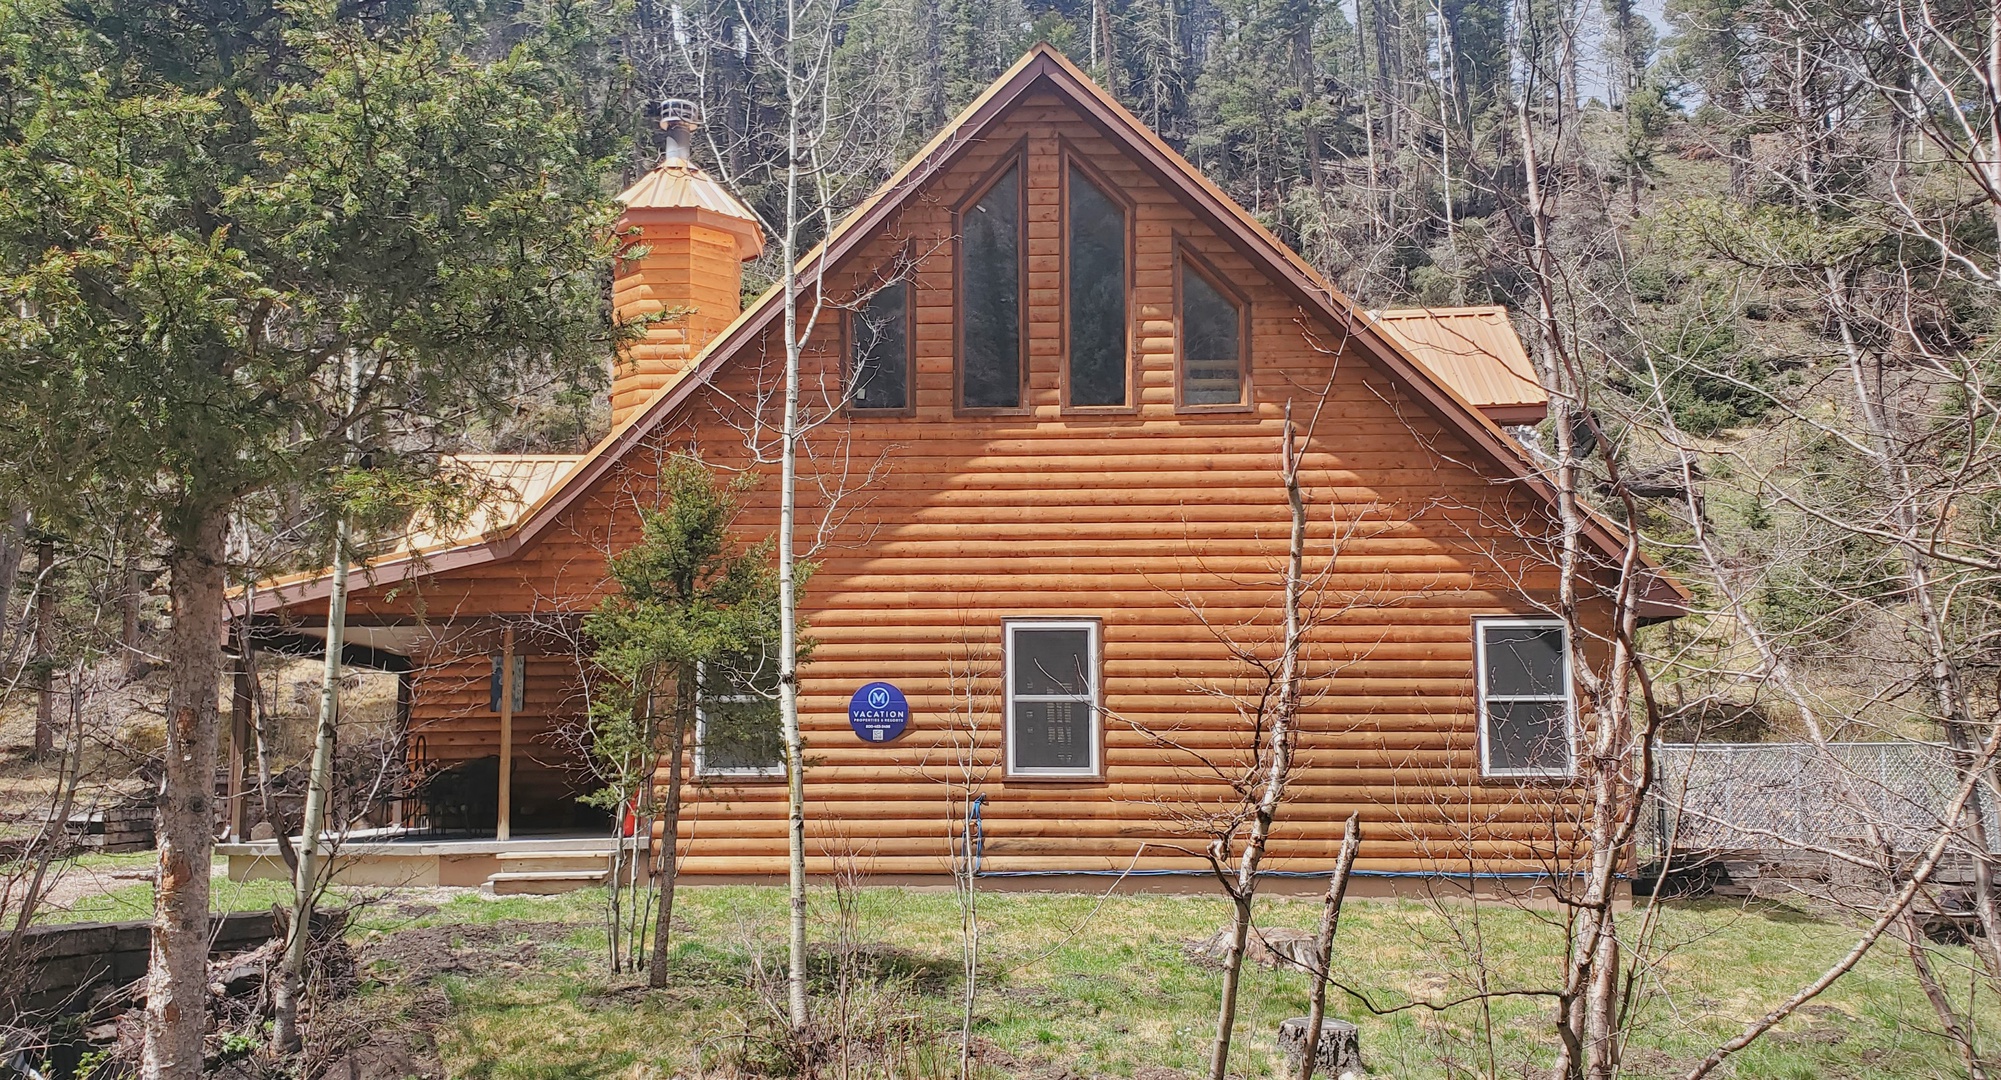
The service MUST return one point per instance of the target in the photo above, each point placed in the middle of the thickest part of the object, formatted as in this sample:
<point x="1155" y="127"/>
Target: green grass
<point x="1105" y="989"/>
<point x="121" y="903"/>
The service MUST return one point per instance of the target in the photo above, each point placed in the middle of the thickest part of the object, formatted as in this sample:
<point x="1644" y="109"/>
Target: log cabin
<point x="1049" y="373"/>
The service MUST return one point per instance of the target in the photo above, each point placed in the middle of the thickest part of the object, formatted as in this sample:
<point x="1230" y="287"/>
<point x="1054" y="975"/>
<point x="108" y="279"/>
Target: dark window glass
<point x="1211" y="344"/>
<point x="882" y="349"/>
<point x="990" y="284"/>
<point x="1052" y="661"/>
<point x="1053" y="699"/>
<point x="1097" y="296"/>
<point x="1524" y="700"/>
<point x="739" y="729"/>
<point x="1525" y="661"/>
<point x="1052" y="735"/>
<point x="1527" y="736"/>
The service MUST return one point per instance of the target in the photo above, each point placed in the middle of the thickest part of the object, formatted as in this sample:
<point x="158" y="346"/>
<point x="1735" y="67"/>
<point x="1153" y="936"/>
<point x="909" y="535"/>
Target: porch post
<point x="501" y="826"/>
<point x="401" y="805"/>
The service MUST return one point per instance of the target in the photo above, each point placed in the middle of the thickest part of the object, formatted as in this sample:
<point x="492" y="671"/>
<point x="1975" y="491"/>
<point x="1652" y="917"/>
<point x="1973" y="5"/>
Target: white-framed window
<point x="1527" y="718"/>
<point x="1052" y="697"/>
<point x="737" y="730"/>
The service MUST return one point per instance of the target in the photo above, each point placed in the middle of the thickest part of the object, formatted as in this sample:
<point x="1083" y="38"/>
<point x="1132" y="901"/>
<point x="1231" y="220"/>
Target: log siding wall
<point x="1167" y="525"/>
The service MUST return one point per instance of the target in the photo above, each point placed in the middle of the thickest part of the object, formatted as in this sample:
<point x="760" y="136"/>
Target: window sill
<point x="1212" y="410"/>
<point x="1017" y="410"/>
<point x="853" y="413"/>
<point x="1054" y="778"/>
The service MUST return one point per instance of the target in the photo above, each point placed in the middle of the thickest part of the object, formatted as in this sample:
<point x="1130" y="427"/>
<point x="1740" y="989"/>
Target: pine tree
<point x="204" y="211"/>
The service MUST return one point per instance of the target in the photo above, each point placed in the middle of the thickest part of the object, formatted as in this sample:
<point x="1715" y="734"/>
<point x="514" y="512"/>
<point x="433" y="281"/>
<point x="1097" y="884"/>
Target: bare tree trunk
<point x="177" y="978"/>
<point x="788" y="517"/>
<point x="50" y="845"/>
<point x="1955" y="1029"/>
<point x="1941" y="671"/>
<point x="1278" y="769"/>
<point x="13" y="546"/>
<point x="1323" y="946"/>
<point x="969" y="932"/>
<point x="260" y="726"/>
<point x="313" y="823"/>
<point x="130" y="597"/>
<point x="45" y="639"/>
<point x="670" y="827"/>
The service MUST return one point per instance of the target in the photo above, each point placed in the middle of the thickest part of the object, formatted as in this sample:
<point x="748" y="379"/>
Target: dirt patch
<point x="426" y="953"/>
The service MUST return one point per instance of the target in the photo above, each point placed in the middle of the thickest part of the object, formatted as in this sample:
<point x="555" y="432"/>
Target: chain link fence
<point x="1785" y="798"/>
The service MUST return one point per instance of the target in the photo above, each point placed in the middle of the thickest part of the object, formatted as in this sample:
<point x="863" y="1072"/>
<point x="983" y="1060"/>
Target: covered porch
<point x="479" y="776"/>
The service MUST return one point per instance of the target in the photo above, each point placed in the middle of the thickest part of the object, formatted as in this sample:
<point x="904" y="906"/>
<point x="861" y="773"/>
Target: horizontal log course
<point x="1168" y="526"/>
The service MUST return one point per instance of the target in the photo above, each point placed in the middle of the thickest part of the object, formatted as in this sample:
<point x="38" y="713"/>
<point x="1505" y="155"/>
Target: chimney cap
<point x="679" y="111"/>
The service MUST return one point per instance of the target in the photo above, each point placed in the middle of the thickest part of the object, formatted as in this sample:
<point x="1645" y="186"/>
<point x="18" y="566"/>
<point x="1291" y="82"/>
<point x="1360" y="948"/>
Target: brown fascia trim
<point x="1662" y="595"/>
<point x="1510" y="415"/>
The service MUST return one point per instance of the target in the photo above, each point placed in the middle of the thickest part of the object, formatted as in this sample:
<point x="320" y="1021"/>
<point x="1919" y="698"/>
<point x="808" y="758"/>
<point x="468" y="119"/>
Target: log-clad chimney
<point x="688" y="239"/>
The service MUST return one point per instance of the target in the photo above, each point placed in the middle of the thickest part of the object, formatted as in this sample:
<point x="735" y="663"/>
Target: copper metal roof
<point x="674" y="184"/>
<point x="1473" y="350"/>
<point x="513" y="483"/>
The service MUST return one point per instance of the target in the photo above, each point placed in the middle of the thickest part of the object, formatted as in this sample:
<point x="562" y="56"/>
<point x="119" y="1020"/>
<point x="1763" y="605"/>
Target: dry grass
<point x="1076" y="988"/>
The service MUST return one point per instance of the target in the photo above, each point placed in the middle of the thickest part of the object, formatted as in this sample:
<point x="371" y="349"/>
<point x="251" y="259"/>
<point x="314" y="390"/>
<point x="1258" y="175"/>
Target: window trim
<point x="1095" y="629"/>
<point x="701" y="721"/>
<point x="1015" y="157"/>
<point x="1481" y="624"/>
<point x="1188" y="260"/>
<point x="880" y="282"/>
<point x="1068" y="157"/>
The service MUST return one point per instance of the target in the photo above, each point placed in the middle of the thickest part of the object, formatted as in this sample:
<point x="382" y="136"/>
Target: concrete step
<point x="543" y="882"/>
<point x="528" y="861"/>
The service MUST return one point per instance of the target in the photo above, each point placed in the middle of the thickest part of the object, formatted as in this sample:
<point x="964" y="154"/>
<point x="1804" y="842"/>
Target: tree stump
<point x="1340" y="1052"/>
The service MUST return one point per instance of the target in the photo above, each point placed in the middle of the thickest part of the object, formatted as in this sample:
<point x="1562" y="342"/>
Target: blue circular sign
<point x="878" y="712"/>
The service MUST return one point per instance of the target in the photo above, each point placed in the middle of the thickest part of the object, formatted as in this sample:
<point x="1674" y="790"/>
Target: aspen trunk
<point x="306" y="881"/>
<point x="670" y="827"/>
<point x="1323" y="946"/>
<point x="788" y="520"/>
<point x="1278" y="769"/>
<point x="177" y="976"/>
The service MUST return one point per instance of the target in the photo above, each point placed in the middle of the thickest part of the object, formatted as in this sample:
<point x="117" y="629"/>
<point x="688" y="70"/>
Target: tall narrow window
<point x="1525" y="711"/>
<point x="1212" y="342"/>
<point x="1097" y="295"/>
<point x="881" y="331"/>
<point x="1052" y="698"/>
<point x="736" y="718"/>
<point x="990" y="297"/>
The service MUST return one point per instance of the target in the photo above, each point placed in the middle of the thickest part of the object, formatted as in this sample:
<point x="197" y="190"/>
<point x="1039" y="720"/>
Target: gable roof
<point x="1473" y="350"/>
<point x="1042" y="68"/>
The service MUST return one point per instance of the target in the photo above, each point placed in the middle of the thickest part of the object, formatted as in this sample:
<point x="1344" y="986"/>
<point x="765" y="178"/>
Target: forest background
<point x="1755" y="249"/>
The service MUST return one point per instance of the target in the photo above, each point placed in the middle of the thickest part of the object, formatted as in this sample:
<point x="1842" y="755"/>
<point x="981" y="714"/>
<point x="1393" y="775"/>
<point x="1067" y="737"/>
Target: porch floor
<point x="389" y="858"/>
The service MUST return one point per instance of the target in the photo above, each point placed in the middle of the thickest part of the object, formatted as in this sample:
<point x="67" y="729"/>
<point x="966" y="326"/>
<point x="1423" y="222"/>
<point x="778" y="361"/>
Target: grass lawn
<point x="1085" y="986"/>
